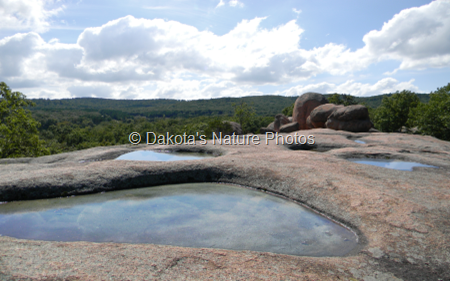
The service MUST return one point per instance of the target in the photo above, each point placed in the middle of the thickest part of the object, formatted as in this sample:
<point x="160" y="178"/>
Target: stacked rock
<point x="312" y="110"/>
<point x="319" y="115"/>
<point x="352" y="118"/>
<point x="303" y="107"/>
<point x="280" y="120"/>
<point x="282" y="124"/>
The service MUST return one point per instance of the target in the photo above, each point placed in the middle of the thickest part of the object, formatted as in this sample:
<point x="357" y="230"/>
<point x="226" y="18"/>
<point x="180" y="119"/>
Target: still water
<point x="147" y="155"/>
<point x="206" y="215"/>
<point x="392" y="164"/>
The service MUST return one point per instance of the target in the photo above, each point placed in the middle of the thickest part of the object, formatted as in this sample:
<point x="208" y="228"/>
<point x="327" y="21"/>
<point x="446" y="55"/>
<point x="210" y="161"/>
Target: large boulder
<point x="351" y="112"/>
<point x="308" y="122"/>
<point x="303" y="107"/>
<point x="319" y="115"/>
<point x="351" y="125"/>
<point x="289" y="127"/>
<point x="352" y="118"/>
<point x="280" y="120"/>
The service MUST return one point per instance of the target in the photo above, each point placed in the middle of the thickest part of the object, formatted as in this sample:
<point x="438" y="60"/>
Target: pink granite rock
<point x="303" y="107"/>
<point x="319" y="115"/>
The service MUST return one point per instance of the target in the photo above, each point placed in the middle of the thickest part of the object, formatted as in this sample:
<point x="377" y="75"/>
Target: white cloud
<point x="221" y="3"/>
<point x="298" y="12"/>
<point x="27" y="14"/>
<point x="204" y="89"/>
<point x="385" y="85"/>
<point x="236" y="3"/>
<point x="130" y="49"/>
<point x="231" y="3"/>
<point x="144" y="58"/>
<point x="16" y="51"/>
<point x="97" y="91"/>
<point x="159" y="50"/>
<point x="418" y="37"/>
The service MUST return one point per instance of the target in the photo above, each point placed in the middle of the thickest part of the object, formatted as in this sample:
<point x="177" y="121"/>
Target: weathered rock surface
<point x="350" y="126"/>
<point x="308" y="123"/>
<point x="280" y="120"/>
<point x="303" y="107"/>
<point x="401" y="217"/>
<point x="352" y="118"/>
<point x="264" y="130"/>
<point x="351" y="112"/>
<point x="275" y="126"/>
<point x="319" y="115"/>
<point x="289" y="127"/>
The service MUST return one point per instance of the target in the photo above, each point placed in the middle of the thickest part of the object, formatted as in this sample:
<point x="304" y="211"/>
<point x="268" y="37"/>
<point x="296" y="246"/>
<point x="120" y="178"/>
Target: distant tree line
<point x="52" y="126"/>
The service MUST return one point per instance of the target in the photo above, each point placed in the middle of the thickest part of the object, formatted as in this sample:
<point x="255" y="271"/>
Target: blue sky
<point x="181" y="49"/>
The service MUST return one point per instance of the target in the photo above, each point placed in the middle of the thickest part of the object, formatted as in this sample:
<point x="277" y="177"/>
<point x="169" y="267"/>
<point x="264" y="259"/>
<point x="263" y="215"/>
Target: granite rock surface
<point x="402" y="218"/>
<point x="303" y="107"/>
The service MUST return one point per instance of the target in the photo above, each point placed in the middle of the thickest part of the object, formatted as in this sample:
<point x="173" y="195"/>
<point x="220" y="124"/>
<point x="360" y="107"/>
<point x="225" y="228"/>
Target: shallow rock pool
<point x="147" y="155"/>
<point x="192" y="215"/>
<point x="391" y="164"/>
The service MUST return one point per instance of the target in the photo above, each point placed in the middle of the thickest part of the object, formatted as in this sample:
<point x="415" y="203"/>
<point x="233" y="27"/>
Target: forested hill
<point x="118" y="109"/>
<point x="121" y="109"/>
<point x="375" y="101"/>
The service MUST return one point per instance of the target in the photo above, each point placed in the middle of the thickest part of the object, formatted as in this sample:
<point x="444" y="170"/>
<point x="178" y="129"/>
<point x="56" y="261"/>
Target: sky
<point x="192" y="49"/>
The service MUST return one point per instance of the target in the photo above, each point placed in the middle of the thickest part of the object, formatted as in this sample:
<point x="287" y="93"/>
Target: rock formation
<point x="275" y="126"/>
<point x="352" y="118"/>
<point x="280" y="120"/>
<point x="311" y="110"/>
<point x="319" y="115"/>
<point x="289" y="127"/>
<point x="303" y="107"/>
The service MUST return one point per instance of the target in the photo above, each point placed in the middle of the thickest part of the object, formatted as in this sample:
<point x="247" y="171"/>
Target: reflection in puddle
<point x="192" y="215"/>
<point x="392" y="164"/>
<point x="147" y="155"/>
<point x="360" y="141"/>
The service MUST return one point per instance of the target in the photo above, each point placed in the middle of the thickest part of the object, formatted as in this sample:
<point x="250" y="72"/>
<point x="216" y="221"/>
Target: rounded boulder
<point x="319" y="115"/>
<point x="303" y="107"/>
<point x="351" y="112"/>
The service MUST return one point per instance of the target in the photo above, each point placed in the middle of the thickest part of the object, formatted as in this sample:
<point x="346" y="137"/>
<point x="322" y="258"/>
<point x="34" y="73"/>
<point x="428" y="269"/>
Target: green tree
<point x="395" y="111"/>
<point x="18" y="130"/>
<point x="342" y="99"/>
<point x="433" y="118"/>
<point x="217" y="125"/>
<point x="335" y="98"/>
<point x="348" y="100"/>
<point x="287" y="111"/>
<point x="244" y="114"/>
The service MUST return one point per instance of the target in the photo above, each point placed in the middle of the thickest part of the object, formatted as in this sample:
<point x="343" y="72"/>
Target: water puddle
<point x="148" y="155"/>
<point x="192" y="215"/>
<point x="392" y="164"/>
<point x="360" y="141"/>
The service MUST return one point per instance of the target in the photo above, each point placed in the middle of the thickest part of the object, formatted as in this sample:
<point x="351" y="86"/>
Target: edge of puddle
<point x="361" y="238"/>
